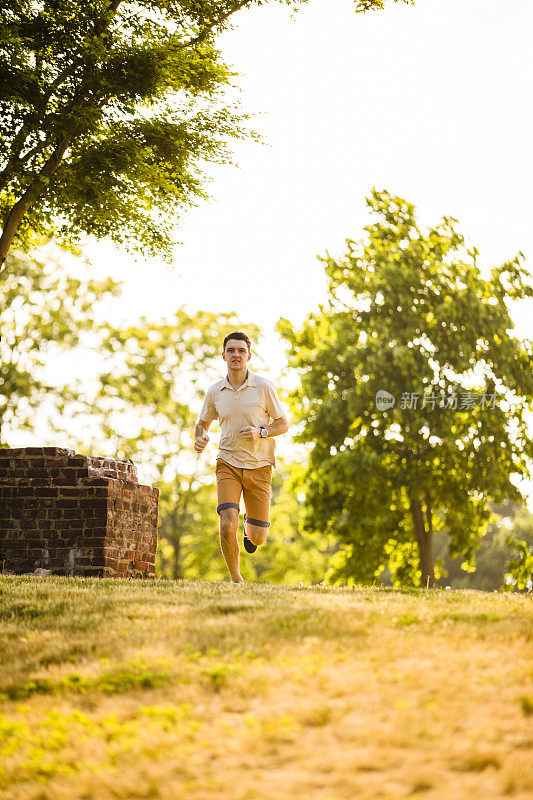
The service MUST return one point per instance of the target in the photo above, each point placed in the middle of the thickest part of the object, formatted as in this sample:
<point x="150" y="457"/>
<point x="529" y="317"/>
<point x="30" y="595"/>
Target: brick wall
<point x="75" y="515"/>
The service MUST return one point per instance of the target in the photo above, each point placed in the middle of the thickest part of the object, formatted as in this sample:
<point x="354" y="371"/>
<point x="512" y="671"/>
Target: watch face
<point x="263" y="433"/>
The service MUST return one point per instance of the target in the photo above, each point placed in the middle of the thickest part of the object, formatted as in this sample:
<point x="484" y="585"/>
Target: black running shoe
<point x="248" y="546"/>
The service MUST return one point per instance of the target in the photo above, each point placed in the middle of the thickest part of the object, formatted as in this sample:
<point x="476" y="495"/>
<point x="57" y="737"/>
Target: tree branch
<point x="207" y="30"/>
<point x="31" y="194"/>
<point x="34" y="190"/>
<point x="14" y="159"/>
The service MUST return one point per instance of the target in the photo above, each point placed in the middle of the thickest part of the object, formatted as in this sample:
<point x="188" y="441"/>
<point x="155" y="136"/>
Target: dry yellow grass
<point x="171" y="689"/>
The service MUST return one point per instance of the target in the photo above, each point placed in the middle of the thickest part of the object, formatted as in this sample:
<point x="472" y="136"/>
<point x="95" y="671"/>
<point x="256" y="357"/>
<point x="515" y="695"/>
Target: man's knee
<point x="257" y="535"/>
<point x="229" y="521"/>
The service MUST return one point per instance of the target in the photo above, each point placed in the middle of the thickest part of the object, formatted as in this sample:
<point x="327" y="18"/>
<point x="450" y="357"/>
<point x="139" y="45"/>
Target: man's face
<point x="236" y="354"/>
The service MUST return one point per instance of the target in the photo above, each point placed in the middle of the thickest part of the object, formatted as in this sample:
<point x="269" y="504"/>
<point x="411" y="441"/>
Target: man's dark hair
<point x="237" y="335"/>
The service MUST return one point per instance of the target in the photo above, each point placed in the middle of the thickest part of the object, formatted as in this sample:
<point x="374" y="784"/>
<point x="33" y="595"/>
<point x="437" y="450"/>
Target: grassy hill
<point x="171" y="689"/>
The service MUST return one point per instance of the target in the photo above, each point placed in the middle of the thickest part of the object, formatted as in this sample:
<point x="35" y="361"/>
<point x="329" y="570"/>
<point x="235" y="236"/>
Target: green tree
<point x="409" y="313"/>
<point x="43" y="314"/>
<point x="508" y="520"/>
<point x="520" y="575"/>
<point x="108" y="110"/>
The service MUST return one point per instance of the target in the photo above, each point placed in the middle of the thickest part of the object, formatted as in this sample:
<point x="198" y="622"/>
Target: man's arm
<point x="278" y="426"/>
<point x="200" y="435"/>
<point x="207" y="415"/>
<point x="274" y="428"/>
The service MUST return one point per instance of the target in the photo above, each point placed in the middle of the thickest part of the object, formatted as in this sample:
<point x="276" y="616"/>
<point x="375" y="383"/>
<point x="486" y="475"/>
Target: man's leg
<point x="256" y="534"/>
<point x="229" y="523"/>
<point x="257" y="491"/>
<point x="229" y="488"/>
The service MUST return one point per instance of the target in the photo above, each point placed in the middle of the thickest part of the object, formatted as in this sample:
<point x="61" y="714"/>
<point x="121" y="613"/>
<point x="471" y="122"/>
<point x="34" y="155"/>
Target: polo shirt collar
<point x="250" y="381"/>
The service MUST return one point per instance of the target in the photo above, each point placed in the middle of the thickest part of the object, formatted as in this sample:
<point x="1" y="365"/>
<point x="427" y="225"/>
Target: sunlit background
<point x="431" y="102"/>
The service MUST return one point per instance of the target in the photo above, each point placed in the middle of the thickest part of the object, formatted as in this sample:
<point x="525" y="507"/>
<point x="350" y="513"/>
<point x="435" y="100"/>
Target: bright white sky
<point x="431" y="102"/>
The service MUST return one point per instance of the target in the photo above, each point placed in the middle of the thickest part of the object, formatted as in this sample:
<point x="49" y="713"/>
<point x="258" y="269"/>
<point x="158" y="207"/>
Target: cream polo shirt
<point x="256" y="402"/>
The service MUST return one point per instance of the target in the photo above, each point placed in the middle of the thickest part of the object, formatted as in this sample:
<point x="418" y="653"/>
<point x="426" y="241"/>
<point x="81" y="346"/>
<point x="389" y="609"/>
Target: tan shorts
<point x="256" y="488"/>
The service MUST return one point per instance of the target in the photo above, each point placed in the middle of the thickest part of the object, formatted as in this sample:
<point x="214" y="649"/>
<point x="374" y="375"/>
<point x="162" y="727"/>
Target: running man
<point x="250" y="414"/>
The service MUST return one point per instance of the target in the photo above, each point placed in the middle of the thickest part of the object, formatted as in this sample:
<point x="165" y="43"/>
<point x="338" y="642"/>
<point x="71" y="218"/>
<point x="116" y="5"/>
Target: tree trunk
<point x="179" y="518"/>
<point x="32" y="193"/>
<point x="176" y="565"/>
<point x="424" y="538"/>
<point x="176" y="543"/>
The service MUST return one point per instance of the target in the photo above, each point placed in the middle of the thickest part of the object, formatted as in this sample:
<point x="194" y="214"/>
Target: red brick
<point x="72" y="513"/>
<point x="67" y="502"/>
<point x="77" y="461"/>
<point x="57" y="500"/>
<point x="51" y="463"/>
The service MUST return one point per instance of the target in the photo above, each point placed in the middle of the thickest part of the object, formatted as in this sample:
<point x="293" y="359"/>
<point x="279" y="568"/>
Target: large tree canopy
<point x="409" y="313"/>
<point x="108" y="110"/>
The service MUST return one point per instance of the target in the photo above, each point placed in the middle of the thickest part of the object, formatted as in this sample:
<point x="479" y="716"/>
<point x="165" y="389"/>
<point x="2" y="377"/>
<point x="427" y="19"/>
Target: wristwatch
<point x="263" y="433"/>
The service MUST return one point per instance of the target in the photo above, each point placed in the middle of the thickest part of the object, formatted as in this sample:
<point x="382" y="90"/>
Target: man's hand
<point x="250" y="432"/>
<point x="200" y="442"/>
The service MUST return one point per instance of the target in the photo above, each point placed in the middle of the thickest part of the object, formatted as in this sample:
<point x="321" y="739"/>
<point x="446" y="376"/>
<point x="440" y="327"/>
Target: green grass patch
<point x="123" y="680"/>
<point x="527" y="704"/>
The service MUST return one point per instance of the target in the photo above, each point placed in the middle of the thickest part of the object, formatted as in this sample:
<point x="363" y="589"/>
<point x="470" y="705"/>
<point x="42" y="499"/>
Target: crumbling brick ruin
<point x="75" y="515"/>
